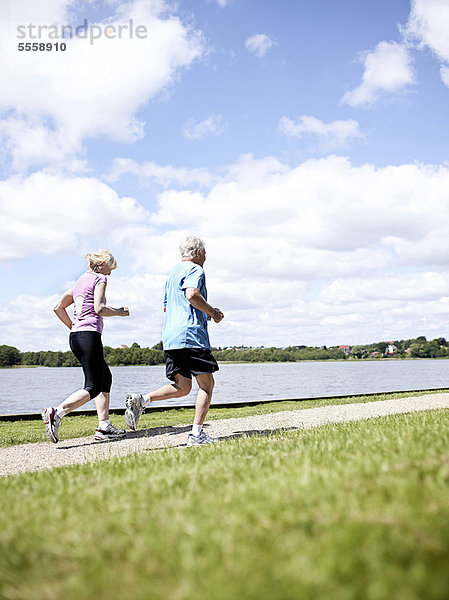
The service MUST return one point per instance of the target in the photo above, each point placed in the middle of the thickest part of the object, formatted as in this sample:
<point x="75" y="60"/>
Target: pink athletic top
<point x="85" y="318"/>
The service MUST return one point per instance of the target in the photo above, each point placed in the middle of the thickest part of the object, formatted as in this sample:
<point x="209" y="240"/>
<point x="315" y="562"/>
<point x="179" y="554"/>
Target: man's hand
<point x="218" y="315"/>
<point x="196" y="299"/>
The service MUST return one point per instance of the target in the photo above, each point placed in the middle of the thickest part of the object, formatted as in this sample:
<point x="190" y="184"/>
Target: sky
<point x="305" y="142"/>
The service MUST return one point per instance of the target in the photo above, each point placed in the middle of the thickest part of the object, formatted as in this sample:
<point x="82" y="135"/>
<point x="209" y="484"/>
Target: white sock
<point x="146" y="399"/>
<point x="60" y="411"/>
<point x="196" y="429"/>
<point x="103" y="424"/>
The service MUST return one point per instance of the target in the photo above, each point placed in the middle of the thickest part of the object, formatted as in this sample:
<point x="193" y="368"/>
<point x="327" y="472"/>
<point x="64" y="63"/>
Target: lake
<point x="29" y="390"/>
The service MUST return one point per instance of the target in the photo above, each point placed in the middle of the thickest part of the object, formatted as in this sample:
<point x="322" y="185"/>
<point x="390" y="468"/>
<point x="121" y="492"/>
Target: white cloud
<point x="52" y="215"/>
<point x="388" y="70"/>
<point x="444" y="72"/>
<point x="331" y="135"/>
<point x="259" y="44"/>
<point x="30" y="11"/>
<point x="213" y="125"/>
<point x="165" y="175"/>
<point x="247" y="169"/>
<point x="325" y="203"/>
<point x="30" y="142"/>
<point x="428" y="25"/>
<point x="323" y="252"/>
<point x="250" y="171"/>
<point x="89" y="90"/>
<point x="388" y="287"/>
<point x="279" y="235"/>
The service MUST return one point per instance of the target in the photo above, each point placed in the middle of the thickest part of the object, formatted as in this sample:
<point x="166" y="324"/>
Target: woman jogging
<point x="89" y="296"/>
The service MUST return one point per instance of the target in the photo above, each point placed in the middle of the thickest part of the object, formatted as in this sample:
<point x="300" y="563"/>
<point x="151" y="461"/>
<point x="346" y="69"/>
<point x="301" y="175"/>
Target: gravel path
<point x="45" y="455"/>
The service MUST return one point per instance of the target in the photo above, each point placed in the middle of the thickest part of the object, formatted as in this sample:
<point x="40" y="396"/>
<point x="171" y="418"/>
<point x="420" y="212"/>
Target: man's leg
<point x="206" y="386"/>
<point x="181" y="387"/>
<point x="136" y="403"/>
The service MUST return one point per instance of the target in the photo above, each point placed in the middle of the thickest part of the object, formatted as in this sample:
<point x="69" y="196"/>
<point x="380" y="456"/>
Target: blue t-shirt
<point x="184" y="325"/>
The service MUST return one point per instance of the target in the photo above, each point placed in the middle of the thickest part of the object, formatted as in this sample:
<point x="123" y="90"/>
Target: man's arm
<point x="196" y="300"/>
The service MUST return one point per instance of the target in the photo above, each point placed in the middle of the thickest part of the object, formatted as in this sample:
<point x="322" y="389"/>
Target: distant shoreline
<point x="262" y="362"/>
<point x="21" y="367"/>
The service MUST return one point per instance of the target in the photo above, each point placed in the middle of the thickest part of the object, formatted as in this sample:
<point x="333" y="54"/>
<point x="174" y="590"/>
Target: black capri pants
<point x="88" y="349"/>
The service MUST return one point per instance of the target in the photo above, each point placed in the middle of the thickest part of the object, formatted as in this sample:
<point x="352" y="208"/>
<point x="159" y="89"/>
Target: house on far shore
<point x="346" y="349"/>
<point x="390" y="349"/>
<point x="374" y="354"/>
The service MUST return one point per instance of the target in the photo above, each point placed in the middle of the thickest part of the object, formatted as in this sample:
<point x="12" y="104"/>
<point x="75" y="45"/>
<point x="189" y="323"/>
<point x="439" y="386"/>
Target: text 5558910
<point x="42" y="47"/>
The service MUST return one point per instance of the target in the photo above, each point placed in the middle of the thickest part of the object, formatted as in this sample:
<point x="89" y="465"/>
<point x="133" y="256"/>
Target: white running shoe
<point x="111" y="432"/>
<point x="199" y="440"/>
<point x="134" y="410"/>
<point x="52" y="423"/>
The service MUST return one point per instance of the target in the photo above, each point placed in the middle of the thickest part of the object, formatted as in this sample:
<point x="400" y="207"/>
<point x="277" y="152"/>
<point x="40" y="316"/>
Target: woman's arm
<point x="100" y="304"/>
<point x="60" y="309"/>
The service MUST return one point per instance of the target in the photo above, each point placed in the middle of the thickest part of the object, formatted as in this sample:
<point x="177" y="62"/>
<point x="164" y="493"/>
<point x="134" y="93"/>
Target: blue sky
<point x="304" y="141"/>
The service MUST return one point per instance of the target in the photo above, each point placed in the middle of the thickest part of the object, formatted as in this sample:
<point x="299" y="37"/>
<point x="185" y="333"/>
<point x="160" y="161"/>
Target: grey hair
<point x="189" y="246"/>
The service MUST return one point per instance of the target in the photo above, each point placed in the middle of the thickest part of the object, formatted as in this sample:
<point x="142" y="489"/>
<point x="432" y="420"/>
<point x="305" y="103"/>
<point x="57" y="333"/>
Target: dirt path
<point x="45" y="455"/>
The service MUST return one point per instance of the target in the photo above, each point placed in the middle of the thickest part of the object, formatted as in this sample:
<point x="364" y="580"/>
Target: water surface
<point x="28" y="390"/>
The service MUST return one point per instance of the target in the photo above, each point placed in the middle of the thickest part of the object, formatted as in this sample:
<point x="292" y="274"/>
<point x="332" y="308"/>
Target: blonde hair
<point x="96" y="259"/>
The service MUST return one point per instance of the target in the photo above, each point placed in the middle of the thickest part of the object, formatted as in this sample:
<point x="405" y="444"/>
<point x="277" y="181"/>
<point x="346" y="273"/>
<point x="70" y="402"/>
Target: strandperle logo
<point x="84" y="31"/>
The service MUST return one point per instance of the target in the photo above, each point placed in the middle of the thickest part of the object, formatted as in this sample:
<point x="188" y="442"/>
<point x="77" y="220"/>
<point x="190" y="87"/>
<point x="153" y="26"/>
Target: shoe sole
<point x="108" y="438"/>
<point x="198" y="445"/>
<point x="190" y="445"/>
<point x="130" y="420"/>
<point x="48" y="429"/>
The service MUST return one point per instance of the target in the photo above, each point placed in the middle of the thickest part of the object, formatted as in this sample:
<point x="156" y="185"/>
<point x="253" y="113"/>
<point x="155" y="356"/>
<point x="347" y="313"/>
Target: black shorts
<point x="188" y="362"/>
<point x="88" y="349"/>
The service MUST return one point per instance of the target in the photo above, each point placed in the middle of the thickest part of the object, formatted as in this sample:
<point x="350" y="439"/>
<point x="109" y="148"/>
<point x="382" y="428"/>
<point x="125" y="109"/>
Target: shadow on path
<point x="130" y="435"/>
<point x="170" y="430"/>
<point x="237" y="435"/>
<point x="256" y="433"/>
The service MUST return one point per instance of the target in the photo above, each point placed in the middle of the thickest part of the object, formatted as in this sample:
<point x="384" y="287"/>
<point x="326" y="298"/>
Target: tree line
<point x="10" y="356"/>
<point x="135" y="355"/>
<point x="290" y="354"/>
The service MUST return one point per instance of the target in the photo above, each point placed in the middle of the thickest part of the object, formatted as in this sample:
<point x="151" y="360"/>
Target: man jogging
<point x="185" y="340"/>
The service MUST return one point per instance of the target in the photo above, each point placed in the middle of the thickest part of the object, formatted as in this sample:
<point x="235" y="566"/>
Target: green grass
<point x="342" y="512"/>
<point x="23" y="432"/>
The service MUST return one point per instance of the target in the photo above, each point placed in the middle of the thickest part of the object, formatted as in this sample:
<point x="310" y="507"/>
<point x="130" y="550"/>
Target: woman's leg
<point x="102" y="400"/>
<point x="52" y="416"/>
<point x="88" y="349"/>
<point x="73" y="401"/>
<point x="102" y="404"/>
<point x="79" y="348"/>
